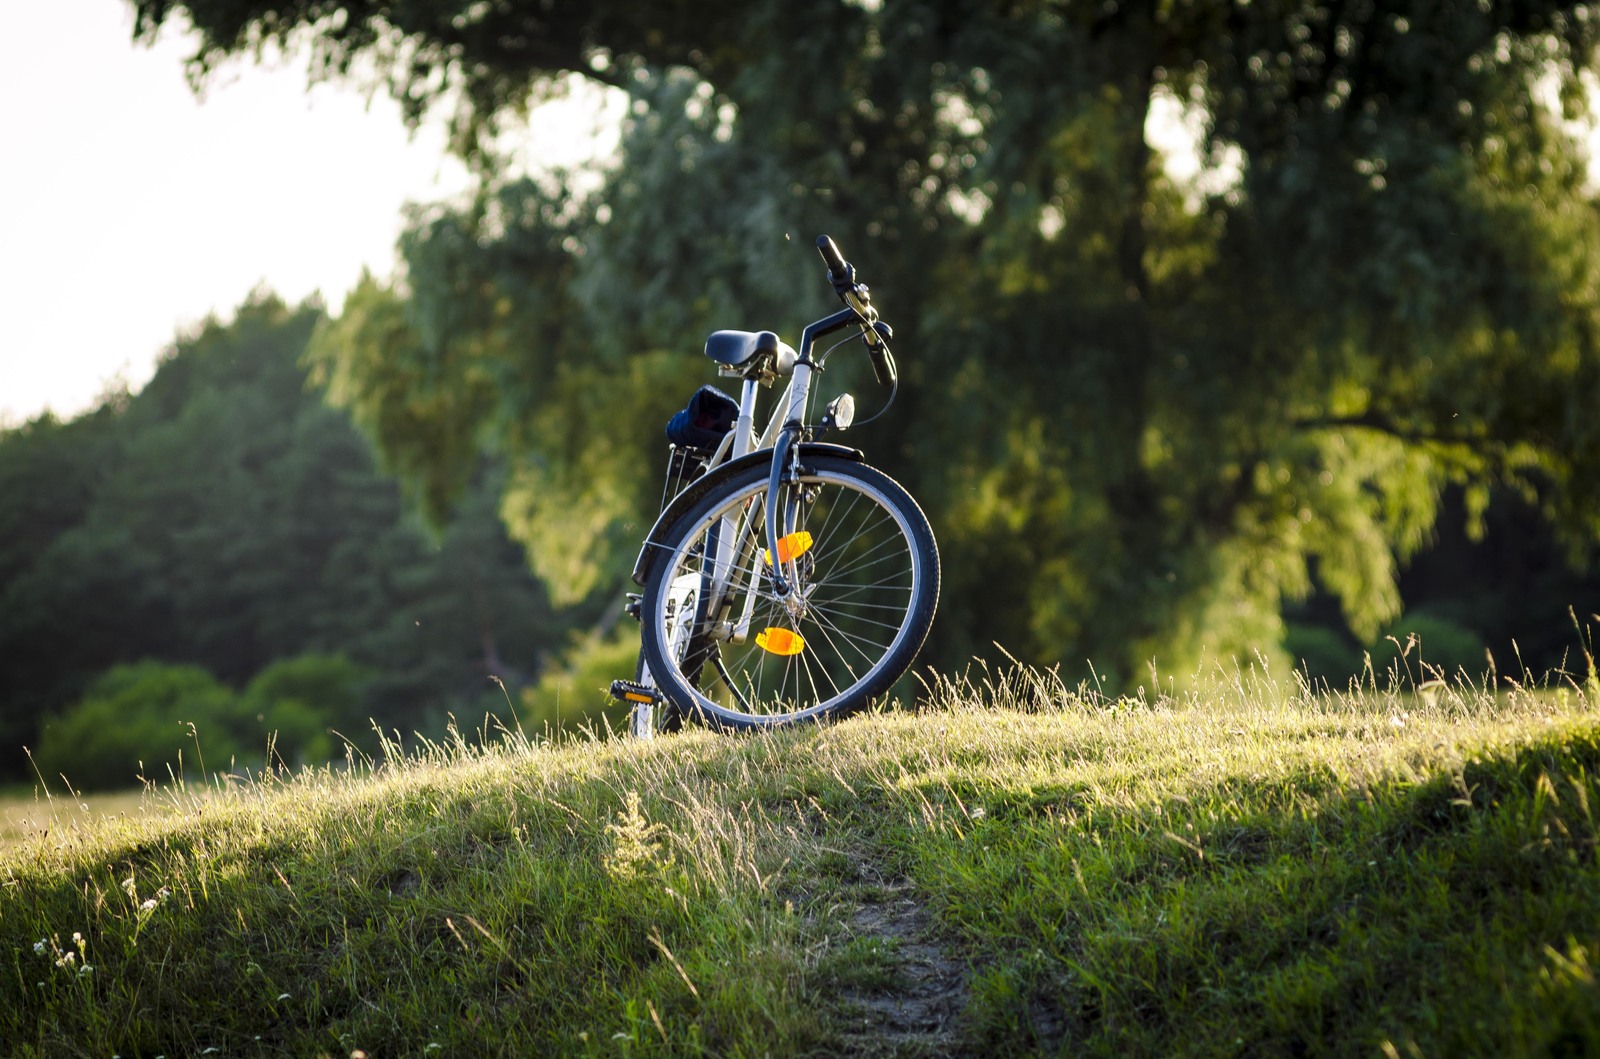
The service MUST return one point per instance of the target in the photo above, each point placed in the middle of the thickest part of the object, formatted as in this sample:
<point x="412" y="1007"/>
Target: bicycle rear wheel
<point x="728" y="650"/>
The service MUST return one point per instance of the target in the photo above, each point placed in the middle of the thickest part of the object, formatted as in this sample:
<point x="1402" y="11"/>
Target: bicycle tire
<point x="866" y="585"/>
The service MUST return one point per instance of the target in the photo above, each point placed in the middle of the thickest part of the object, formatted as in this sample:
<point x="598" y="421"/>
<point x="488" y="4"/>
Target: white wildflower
<point x="150" y="904"/>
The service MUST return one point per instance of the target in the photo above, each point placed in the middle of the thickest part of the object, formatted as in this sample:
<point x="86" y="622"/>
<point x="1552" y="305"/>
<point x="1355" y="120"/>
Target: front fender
<point x="679" y="505"/>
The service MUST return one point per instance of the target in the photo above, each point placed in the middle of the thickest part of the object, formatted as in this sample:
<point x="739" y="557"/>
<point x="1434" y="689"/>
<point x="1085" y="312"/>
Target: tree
<point x="226" y="518"/>
<point x="1155" y="410"/>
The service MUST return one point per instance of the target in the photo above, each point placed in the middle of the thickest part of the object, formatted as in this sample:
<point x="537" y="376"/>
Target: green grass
<point x="1020" y="869"/>
<point x="25" y="816"/>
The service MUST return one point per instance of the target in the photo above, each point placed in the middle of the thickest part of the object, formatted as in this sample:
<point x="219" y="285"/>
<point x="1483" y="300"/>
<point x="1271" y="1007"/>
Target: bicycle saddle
<point x="748" y="352"/>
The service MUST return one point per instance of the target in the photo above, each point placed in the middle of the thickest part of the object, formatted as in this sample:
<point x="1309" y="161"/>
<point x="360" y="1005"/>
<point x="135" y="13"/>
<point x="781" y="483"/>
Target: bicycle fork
<point x="761" y="541"/>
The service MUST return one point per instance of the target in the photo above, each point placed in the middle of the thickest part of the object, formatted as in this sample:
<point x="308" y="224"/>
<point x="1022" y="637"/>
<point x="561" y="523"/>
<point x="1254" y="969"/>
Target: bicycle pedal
<point x="634" y="606"/>
<point x="633" y="691"/>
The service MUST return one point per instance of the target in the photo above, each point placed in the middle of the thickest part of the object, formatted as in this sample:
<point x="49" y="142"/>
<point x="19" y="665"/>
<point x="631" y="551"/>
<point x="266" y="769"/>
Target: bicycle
<point x="785" y="580"/>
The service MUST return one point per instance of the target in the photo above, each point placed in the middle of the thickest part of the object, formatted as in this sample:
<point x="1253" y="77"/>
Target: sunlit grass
<point x="30" y="813"/>
<point x="1243" y="868"/>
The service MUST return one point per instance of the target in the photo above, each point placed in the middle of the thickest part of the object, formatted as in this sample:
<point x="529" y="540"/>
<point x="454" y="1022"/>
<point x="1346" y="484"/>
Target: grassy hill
<point x="1021" y="869"/>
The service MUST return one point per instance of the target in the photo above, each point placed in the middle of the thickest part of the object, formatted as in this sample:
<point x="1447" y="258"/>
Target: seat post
<point x="746" y="422"/>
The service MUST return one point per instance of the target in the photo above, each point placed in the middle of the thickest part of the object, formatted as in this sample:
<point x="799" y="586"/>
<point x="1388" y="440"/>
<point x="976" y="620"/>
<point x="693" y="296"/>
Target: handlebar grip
<point x="882" y="364"/>
<point x="831" y="256"/>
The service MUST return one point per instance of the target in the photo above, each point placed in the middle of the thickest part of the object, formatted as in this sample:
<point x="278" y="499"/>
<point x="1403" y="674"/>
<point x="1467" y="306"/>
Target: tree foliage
<point x="226" y="518"/>
<point x="150" y="720"/>
<point x="1146" y="413"/>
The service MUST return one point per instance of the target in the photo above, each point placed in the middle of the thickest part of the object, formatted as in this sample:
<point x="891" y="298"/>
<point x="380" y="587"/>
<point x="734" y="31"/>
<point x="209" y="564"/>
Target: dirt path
<point x="917" y="1012"/>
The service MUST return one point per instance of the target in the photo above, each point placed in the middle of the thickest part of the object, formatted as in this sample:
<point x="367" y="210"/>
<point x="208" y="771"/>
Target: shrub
<point x="300" y="703"/>
<point x="574" y="692"/>
<point x="1423" y="644"/>
<point x="1322" y="653"/>
<point x="135" y="721"/>
<point x="138" y="721"/>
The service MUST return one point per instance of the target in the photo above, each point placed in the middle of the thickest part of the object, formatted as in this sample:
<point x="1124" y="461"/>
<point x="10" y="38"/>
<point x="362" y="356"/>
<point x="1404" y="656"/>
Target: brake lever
<point x="859" y="298"/>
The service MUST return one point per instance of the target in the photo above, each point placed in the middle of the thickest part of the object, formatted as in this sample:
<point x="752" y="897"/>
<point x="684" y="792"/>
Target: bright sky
<point x="130" y="209"/>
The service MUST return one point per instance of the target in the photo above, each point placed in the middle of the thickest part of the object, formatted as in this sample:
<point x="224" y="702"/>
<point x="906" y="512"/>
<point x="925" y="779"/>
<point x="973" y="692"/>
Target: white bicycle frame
<point x="733" y="539"/>
<point x="741" y="440"/>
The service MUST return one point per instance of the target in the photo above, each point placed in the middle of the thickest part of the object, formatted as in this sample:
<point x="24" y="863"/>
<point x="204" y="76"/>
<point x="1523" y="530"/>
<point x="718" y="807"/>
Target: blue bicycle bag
<point x="709" y="415"/>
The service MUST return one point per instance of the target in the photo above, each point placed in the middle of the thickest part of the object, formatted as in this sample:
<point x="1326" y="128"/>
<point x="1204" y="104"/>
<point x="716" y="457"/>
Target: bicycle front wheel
<point x="862" y="572"/>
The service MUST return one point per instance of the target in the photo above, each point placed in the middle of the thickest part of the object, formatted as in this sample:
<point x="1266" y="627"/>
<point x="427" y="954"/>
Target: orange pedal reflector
<point x="790" y="546"/>
<point x="632" y="691"/>
<point x="780" y="641"/>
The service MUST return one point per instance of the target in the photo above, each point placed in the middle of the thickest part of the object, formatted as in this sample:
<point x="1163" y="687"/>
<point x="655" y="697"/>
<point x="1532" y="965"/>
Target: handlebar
<point x="842" y="275"/>
<point x="831" y="257"/>
<point x="882" y="364"/>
